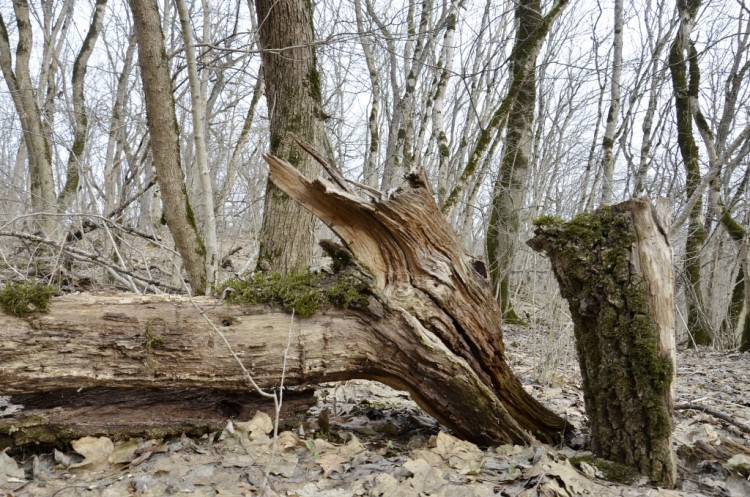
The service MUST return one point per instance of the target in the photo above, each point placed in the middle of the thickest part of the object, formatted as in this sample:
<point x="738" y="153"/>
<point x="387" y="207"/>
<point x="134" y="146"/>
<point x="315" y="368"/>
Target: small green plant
<point x="303" y="291"/>
<point x="153" y="341"/>
<point x="26" y="297"/>
<point x="310" y="444"/>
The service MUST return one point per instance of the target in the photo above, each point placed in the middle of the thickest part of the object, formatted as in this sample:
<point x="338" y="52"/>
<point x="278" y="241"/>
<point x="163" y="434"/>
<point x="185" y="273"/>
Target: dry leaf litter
<point x="377" y="442"/>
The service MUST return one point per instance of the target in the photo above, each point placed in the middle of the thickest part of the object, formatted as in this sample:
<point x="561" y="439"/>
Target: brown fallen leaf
<point x="465" y="457"/>
<point x="95" y="451"/>
<point x="331" y="462"/>
<point x="426" y="479"/>
<point x="258" y="427"/>
<point x="9" y="468"/>
<point x="124" y="452"/>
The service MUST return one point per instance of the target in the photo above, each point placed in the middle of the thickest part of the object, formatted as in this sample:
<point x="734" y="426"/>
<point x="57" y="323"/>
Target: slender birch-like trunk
<point x="204" y="198"/>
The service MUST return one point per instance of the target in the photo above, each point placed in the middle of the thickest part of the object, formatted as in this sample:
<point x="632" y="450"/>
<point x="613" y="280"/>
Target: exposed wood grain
<point x="435" y="331"/>
<point x="422" y="272"/>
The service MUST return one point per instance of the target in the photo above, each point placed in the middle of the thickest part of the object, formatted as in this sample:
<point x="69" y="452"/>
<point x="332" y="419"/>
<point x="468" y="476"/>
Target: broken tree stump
<point x="614" y="267"/>
<point x="442" y="299"/>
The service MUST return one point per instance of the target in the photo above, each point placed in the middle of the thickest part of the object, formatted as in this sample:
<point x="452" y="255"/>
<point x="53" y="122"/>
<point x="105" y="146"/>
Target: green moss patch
<point x="611" y="471"/>
<point x="303" y="292"/>
<point x="24" y="298"/>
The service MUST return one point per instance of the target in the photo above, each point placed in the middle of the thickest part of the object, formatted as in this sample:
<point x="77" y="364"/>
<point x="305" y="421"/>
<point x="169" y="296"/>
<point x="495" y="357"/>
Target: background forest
<point x="514" y="110"/>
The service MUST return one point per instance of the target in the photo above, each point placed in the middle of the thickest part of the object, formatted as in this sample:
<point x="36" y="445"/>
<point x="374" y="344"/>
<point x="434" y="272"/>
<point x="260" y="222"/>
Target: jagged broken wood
<point x="435" y="330"/>
<point x="614" y="267"/>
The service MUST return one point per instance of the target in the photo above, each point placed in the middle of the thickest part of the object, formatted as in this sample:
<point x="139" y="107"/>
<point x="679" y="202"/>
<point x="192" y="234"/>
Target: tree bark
<point x="80" y="120"/>
<point x="614" y="267"/>
<point x="683" y="65"/>
<point x="422" y="274"/>
<point x="36" y="139"/>
<point x="739" y="304"/>
<point x="432" y="327"/>
<point x="165" y="146"/>
<point x="608" y="142"/>
<point x="370" y="170"/>
<point x="294" y="99"/>
<point x="510" y="189"/>
<point x="489" y="135"/>
<point x="203" y="189"/>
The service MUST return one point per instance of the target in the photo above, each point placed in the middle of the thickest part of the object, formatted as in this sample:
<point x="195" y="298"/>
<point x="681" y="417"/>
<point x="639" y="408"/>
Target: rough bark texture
<point x="53" y="419"/>
<point x="293" y="95"/>
<point x="614" y="267"/>
<point x="165" y="146"/>
<point x="510" y="189"/>
<point x="432" y="328"/>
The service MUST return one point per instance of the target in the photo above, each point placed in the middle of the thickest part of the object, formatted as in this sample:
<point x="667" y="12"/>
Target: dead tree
<point x="432" y="327"/>
<point x="614" y="267"/>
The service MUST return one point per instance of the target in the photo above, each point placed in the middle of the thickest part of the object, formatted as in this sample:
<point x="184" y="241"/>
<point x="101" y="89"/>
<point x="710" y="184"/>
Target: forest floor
<point x="364" y="439"/>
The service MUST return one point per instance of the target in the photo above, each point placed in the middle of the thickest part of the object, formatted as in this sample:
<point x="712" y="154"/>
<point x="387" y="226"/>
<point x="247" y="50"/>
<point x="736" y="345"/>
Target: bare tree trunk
<point x="739" y="304"/>
<point x="294" y="98"/>
<point x="500" y="115"/>
<point x="614" y="267"/>
<point x="445" y="64"/>
<point x="683" y="65"/>
<point x="204" y="198"/>
<point x="165" y="146"/>
<point x="400" y="154"/>
<point x="43" y="197"/>
<point x="370" y="171"/>
<point x="510" y="189"/>
<point x="658" y="39"/>
<point x="112" y="165"/>
<point x="608" y="141"/>
<point x="239" y="146"/>
<point x="81" y="120"/>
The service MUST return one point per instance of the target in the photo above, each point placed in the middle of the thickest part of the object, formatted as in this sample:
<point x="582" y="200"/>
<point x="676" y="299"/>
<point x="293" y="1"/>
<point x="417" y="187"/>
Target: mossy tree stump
<point x="614" y="267"/>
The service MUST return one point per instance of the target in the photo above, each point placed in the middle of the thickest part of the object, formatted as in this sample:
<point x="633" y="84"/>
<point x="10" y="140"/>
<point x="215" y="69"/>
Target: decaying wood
<point x="55" y="418"/>
<point x="614" y="267"/>
<point x="441" y="299"/>
<point x="434" y="329"/>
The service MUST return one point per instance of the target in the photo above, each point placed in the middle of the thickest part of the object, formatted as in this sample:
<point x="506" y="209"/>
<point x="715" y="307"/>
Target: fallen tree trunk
<point x="433" y="328"/>
<point x="614" y="267"/>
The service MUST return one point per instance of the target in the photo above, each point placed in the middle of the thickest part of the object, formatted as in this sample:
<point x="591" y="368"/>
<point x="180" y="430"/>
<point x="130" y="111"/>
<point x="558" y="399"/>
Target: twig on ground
<point x="713" y="412"/>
